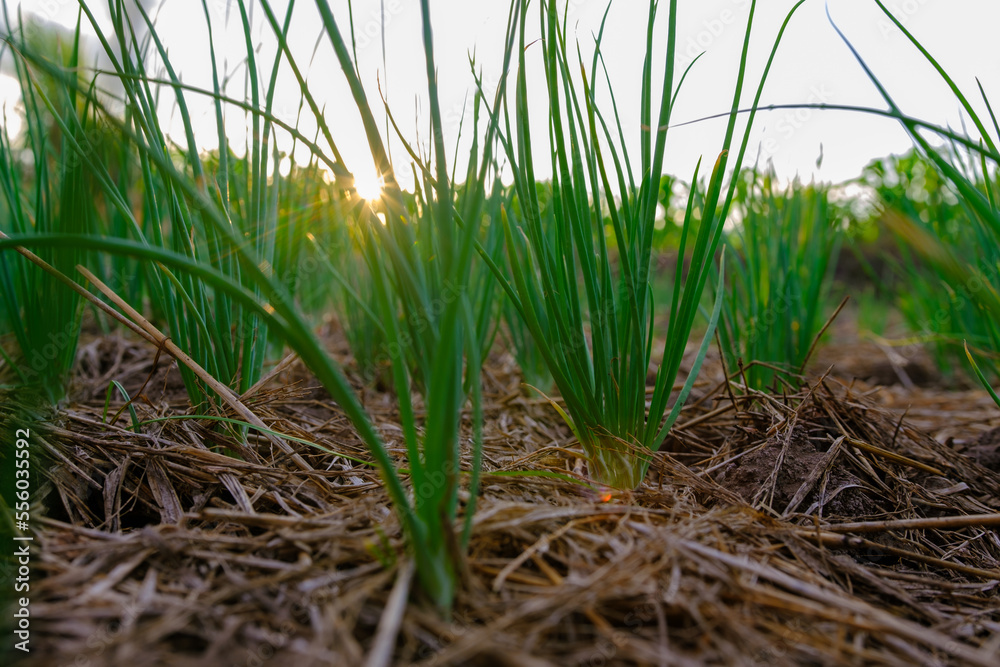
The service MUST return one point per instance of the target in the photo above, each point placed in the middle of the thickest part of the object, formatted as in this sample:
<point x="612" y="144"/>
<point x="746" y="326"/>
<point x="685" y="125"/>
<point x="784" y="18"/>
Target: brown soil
<point x="743" y="545"/>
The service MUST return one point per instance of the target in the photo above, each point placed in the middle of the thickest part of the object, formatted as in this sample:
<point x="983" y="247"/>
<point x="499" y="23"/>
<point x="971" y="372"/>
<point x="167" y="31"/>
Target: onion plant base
<point x="615" y="467"/>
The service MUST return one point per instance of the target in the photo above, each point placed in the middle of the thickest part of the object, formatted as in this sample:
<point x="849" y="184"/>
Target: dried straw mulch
<point x="775" y="532"/>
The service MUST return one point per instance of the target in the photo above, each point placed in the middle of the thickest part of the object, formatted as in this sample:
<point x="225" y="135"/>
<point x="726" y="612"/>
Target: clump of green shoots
<point x="592" y="317"/>
<point x="221" y="334"/>
<point x="338" y="248"/>
<point x="776" y="300"/>
<point x="922" y="202"/>
<point x="422" y="269"/>
<point x="954" y="269"/>
<point x="39" y="318"/>
<point x="211" y="237"/>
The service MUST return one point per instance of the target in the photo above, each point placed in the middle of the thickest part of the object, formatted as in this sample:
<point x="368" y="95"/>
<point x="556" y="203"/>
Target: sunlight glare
<point x="10" y="97"/>
<point x="368" y="184"/>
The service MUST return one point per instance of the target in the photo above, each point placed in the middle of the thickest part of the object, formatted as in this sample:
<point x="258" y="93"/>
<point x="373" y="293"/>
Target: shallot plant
<point x="588" y="305"/>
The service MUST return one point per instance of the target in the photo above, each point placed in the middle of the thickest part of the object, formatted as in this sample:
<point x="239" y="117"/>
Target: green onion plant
<point x="421" y="261"/>
<point x="776" y="301"/>
<point x="953" y="269"/>
<point x="210" y="234"/>
<point x="592" y="317"/>
<point x="45" y="189"/>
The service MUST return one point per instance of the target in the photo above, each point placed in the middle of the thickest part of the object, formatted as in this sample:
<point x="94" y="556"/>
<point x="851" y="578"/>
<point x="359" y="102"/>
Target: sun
<point x="10" y="95"/>
<point x="368" y="185"/>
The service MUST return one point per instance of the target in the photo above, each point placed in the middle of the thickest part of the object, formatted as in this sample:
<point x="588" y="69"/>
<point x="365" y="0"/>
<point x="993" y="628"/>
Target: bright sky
<point x="813" y="65"/>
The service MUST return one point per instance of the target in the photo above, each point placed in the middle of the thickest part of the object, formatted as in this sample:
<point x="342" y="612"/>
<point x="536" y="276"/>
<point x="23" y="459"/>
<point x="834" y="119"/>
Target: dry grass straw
<point x="155" y="560"/>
